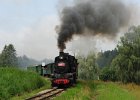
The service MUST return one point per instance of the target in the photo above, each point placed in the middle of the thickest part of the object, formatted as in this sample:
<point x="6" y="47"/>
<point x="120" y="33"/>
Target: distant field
<point x="15" y="82"/>
<point x="90" y="90"/>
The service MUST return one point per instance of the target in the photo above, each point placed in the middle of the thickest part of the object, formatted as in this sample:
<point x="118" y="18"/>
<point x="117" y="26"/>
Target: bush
<point x="16" y="82"/>
<point x="108" y="74"/>
<point x="137" y="77"/>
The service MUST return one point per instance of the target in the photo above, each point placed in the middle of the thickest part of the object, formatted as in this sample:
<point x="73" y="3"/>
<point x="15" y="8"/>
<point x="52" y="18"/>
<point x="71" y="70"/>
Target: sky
<point x="30" y="26"/>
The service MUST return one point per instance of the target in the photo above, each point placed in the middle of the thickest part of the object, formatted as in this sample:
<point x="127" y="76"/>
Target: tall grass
<point x="16" y="82"/>
<point x="132" y="88"/>
<point x="111" y="91"/>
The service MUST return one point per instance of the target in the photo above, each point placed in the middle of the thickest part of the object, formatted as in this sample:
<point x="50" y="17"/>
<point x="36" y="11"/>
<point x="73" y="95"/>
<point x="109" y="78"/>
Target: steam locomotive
<point x="65" y="70"/>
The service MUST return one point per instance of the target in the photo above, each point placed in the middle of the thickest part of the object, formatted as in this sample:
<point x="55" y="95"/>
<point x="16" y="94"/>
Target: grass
<point x="112" y="91"/>
<point x="132" y="88"/>
<point x="95" y="90"/>
<point x="15" y="82"/>
<point x="27" y="94"/>
<point x="82" y="91"/>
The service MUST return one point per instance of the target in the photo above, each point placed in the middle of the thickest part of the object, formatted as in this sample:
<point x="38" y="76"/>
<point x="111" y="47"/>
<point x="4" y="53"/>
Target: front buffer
<point x="62" y="82"/>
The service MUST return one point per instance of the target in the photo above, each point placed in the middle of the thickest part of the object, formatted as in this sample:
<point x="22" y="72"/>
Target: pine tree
<point x="8" y="56"/>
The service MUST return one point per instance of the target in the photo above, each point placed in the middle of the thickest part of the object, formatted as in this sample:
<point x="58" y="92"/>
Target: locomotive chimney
<point x="61" y="52"/>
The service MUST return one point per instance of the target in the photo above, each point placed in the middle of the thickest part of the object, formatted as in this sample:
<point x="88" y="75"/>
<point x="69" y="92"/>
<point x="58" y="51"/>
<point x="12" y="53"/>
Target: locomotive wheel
<point x="74" y="79"/>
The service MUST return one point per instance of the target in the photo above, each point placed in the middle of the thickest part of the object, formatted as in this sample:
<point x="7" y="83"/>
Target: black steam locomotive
<point x="65" y="71"/>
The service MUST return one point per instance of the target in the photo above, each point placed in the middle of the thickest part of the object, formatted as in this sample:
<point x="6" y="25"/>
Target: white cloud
<point x="37" y="41"/>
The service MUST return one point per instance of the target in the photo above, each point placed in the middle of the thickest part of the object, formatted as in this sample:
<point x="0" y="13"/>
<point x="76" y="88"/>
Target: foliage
<point x="108" y="74"/>
<point x="87" y="67"/>
<point x="127" y="62"/>
<point x="16" y="82"/>
<point x="8" y="56"/>
<point x="105" y="58"/>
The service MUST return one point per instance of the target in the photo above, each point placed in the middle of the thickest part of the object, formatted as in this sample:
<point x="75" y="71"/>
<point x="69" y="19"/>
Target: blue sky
<point x="30" y="26"/>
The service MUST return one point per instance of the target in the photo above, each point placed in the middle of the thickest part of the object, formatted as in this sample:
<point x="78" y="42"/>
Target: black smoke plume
<point x="94" y="17"/>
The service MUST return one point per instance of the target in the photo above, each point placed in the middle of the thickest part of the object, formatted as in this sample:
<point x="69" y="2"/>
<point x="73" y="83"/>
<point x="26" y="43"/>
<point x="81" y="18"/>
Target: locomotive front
<point x="65" y="70"/>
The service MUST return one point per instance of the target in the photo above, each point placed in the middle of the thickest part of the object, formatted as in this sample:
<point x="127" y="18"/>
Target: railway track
<point x="47" y="94"/>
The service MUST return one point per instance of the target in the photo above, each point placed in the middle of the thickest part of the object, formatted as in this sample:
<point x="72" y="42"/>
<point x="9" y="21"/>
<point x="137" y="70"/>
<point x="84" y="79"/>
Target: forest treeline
<point x="9" y="58"/>
<point x="121" y="64"/>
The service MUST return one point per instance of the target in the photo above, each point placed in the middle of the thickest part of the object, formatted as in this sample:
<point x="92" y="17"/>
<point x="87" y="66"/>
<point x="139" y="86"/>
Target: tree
<point x="8" y="56"/>
<point x="87" y="67"/>
<point x="104" y="59"/>
<point x="127" y="62"/>
<point x="108" y="74"/>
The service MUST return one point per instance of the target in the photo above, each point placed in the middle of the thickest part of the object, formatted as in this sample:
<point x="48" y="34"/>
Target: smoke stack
<point x="61" y="53"/>
<point x="92" y="17"/>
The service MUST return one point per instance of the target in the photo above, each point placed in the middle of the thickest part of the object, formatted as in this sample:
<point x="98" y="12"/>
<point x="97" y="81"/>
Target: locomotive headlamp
<point x="61" y="57"/>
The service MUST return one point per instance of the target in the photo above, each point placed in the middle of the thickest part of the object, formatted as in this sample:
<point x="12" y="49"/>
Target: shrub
<point x="108" y="74"/>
